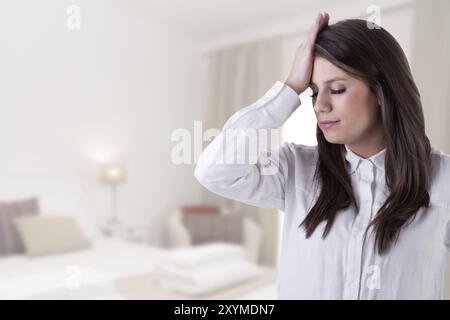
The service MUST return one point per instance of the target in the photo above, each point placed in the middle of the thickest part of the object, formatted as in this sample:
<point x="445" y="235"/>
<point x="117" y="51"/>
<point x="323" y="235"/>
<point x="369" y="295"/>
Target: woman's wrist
<point x="293" y="87"/>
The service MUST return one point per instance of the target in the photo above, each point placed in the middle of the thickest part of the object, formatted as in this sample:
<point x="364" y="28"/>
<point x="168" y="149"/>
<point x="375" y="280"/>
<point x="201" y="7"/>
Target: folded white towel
<point x="207" y="278"/>
<point x="206" y="254"/>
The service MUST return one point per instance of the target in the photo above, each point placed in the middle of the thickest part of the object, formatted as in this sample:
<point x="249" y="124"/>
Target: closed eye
<point x="314" y="95"/>
<point x="337" y="91"/>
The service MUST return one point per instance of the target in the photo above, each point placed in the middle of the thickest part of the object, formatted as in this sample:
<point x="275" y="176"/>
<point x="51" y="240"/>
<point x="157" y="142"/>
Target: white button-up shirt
<point x="345" y="264"/>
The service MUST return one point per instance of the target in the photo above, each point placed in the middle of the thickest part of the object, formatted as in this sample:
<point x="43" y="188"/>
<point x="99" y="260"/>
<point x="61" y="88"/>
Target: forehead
<point x="323" y="71"/>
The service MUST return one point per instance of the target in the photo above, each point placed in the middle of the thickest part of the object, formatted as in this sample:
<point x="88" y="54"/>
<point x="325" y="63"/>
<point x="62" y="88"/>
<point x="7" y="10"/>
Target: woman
<point x="366" y="210"/>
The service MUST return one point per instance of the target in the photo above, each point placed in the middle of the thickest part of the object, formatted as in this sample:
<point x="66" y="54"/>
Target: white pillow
<point x="178" y="235"/>
<point x="90" y="228"/>
<point x="42" y="235"/>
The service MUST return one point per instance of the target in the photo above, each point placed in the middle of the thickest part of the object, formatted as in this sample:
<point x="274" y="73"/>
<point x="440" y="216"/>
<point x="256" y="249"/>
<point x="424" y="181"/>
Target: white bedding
<point x="112" y="269"/>
<point x="76" y="273"/>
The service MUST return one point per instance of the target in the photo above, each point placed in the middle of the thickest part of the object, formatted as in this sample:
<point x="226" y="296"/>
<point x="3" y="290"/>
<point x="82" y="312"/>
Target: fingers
<point x="321" y="21"/>
<point x="325" y="17"/>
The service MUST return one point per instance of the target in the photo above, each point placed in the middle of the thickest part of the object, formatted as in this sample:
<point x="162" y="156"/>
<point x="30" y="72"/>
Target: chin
<point x="333" y="139"/>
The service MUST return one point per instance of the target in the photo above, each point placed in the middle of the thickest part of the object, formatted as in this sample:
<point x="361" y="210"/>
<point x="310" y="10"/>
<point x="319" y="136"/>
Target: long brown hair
<point x="374" y="56"/>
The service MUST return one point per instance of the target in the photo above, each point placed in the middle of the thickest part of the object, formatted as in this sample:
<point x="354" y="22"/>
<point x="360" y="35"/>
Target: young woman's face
<point x="339" y="97"/>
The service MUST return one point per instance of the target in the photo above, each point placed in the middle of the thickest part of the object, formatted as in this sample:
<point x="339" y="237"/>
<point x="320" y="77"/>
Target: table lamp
<point x="113" y="174"/>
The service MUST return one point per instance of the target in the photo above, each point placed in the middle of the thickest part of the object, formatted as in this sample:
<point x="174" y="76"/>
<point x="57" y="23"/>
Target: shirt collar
<point x="354" y="160"/>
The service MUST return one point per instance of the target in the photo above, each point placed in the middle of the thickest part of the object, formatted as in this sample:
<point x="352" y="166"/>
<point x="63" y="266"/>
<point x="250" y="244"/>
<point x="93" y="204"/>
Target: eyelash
<point x="332" y="92"/>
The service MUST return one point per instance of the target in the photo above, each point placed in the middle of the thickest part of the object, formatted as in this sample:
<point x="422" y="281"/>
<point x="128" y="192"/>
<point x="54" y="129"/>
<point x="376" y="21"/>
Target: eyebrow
<point x="330" y="80"/>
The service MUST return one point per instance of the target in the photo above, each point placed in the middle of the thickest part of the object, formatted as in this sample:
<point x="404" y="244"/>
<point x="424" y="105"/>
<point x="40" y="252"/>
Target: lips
<point x="328" y="124"/>
<point x="328" y="121"/>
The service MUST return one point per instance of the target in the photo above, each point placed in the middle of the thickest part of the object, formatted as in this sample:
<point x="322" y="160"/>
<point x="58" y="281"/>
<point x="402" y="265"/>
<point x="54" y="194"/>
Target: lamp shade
<point x="113" y="173"/>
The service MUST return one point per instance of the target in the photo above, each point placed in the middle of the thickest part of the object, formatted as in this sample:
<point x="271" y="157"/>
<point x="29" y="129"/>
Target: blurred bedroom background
<point x="96" y="95"/>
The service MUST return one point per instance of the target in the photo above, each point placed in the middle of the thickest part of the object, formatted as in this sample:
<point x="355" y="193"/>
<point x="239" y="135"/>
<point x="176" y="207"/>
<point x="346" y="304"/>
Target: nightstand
<point x="124" y="231"/>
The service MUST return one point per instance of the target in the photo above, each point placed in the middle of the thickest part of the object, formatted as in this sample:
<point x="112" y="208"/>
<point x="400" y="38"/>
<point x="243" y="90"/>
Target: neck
<point x="372" y="143"/>
<point x="365" y="151"/>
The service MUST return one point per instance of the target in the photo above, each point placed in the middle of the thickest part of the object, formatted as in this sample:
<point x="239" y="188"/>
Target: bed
<point x="111" y="269"/>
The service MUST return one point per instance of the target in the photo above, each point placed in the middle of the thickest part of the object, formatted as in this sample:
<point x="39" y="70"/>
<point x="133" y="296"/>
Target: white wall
<point x="112" y="91"/>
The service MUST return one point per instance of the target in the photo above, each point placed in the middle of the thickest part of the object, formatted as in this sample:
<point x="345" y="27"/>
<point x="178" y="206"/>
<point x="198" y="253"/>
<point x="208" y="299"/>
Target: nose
<point x="322" y="104"/>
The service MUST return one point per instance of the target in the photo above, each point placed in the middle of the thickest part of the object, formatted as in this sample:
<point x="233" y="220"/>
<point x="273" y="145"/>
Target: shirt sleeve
<point x="237" y="165"/>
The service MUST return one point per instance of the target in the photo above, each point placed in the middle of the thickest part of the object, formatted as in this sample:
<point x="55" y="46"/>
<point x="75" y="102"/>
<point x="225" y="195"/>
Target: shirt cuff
<point x="284" y="101"/>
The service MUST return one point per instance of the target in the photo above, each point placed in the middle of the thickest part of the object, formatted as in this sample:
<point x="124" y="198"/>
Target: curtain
<point x="431" y="68"/>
